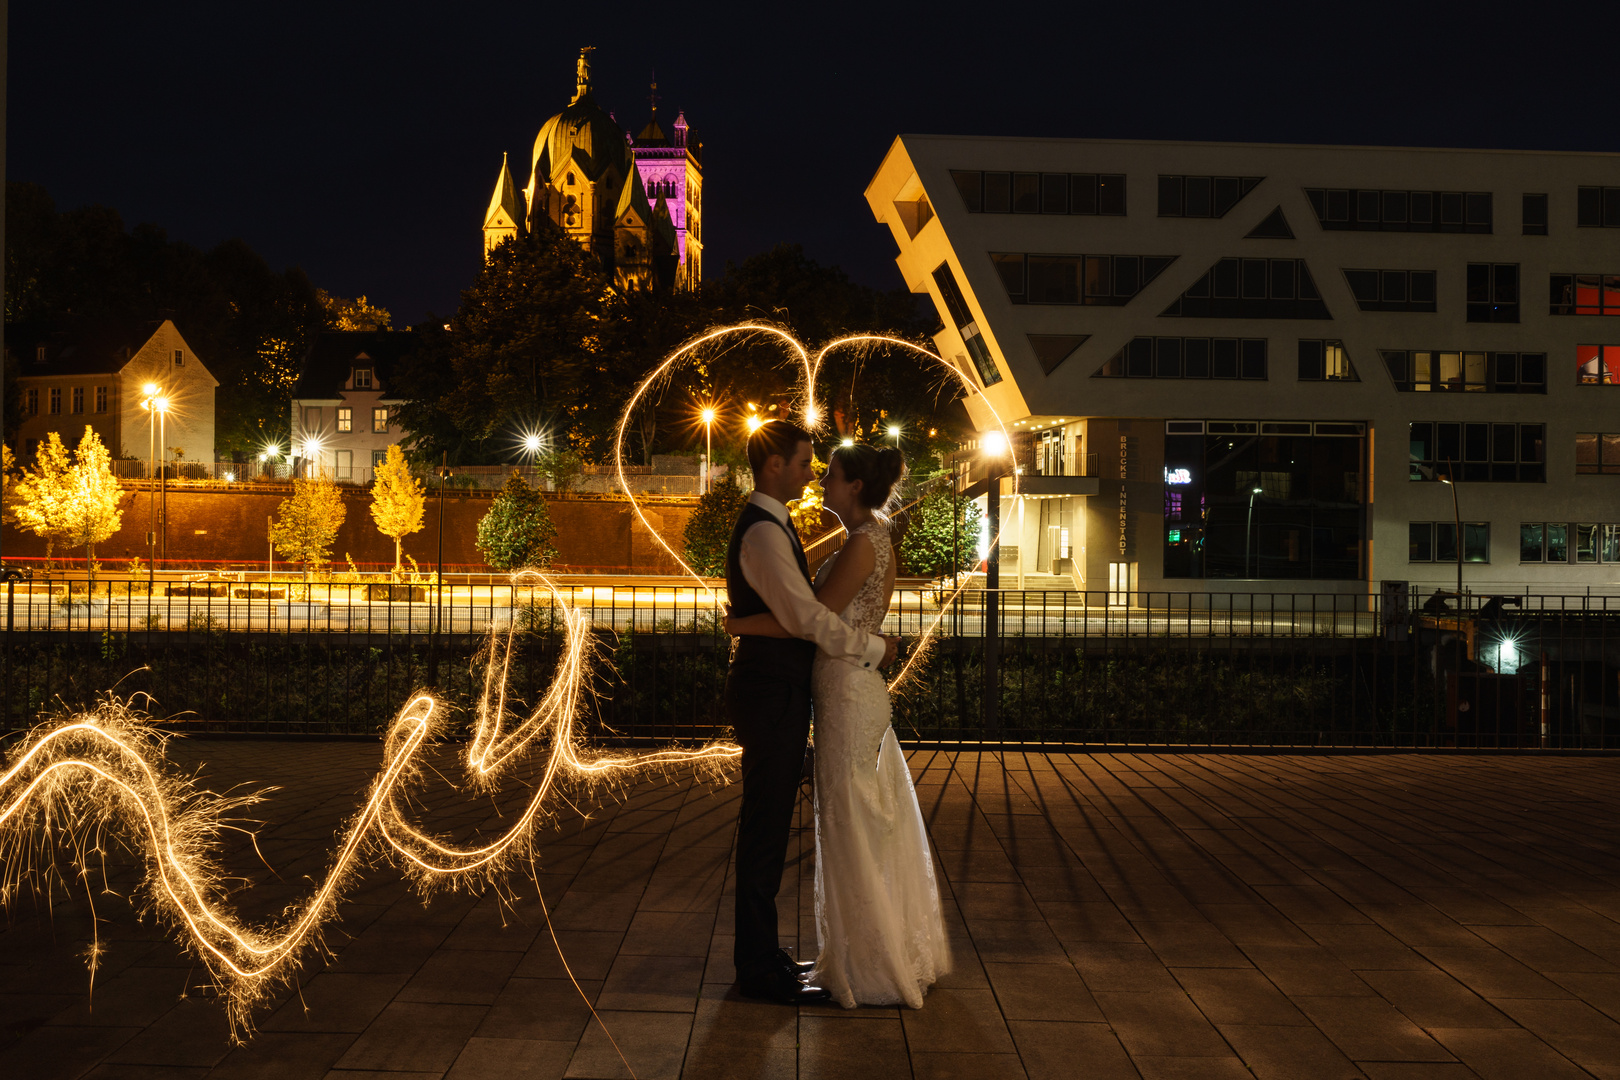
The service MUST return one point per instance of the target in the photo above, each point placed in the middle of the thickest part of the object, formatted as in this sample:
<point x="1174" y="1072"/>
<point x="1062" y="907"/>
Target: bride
<point x="878" y="918"/>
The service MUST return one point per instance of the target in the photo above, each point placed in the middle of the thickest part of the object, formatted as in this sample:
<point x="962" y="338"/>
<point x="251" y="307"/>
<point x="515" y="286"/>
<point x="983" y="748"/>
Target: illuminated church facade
<point x="636" y="203"/>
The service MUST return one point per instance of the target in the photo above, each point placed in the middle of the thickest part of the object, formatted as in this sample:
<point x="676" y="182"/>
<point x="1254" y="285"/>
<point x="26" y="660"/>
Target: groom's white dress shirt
<point x="769" y="565"/>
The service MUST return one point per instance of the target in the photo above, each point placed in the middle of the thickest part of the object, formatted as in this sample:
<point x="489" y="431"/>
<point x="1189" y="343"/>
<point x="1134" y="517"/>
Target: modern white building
<point x="1243" y="367"/>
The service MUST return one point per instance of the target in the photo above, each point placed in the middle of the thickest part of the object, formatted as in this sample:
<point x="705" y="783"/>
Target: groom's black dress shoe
<point x="796" y="968"/>
<point x="782" y="988"/>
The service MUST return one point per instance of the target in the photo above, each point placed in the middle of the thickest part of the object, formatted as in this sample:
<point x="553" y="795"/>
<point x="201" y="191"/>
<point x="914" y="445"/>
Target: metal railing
<point x="1079" y="669"/>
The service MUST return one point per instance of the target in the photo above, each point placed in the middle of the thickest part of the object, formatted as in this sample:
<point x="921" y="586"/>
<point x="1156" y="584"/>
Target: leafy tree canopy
<point x="708" y="530"/>
<point x="356" y="314"/>
<point x="307" y="523"/>
<point x="517" y="532"/>
<point x="397" y="500"/>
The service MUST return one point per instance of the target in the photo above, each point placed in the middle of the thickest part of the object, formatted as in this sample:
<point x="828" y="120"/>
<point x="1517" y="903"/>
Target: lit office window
<point x="345" y="420"/>
<point x="1455" y="371"/>
<point x="1325" y="361"/>
<point x="1584" y="294"/>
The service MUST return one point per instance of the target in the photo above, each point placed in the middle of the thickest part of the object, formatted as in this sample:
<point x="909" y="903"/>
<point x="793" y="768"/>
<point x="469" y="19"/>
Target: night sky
<point x="361" y="140"/>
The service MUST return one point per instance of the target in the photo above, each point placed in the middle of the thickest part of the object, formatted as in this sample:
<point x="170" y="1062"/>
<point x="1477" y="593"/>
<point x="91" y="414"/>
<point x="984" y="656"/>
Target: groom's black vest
<point x="789" y="659"/>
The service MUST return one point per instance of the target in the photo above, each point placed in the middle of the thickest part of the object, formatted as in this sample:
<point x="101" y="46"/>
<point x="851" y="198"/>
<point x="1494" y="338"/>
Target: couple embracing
<point x="814" y="647"/>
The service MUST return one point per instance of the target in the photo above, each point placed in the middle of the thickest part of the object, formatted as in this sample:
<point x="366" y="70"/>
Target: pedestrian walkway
<point x="1124" y="915"/>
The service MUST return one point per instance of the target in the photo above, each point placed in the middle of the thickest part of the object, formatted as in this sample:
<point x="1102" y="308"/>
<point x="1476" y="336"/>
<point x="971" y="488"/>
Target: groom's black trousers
<point x="771" y="718"/>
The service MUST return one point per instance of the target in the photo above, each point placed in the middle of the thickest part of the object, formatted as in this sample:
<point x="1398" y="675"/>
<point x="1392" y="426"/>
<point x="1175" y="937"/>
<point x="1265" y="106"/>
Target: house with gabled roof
<point x="345" y="405"/>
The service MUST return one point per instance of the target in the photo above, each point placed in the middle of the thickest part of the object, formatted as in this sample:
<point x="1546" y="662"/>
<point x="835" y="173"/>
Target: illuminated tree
<point x="307" y="523"/>
<point x="517" y="532"/>
<point x="397" y="499"/>
<point x="92" y="494"/>
<point x="356" y="314"/>
<point x="708" y="530"/>
<point x="806" y="509"/>
<point x="940" y="522"/>
<point x="42" y="495"/>
<point x="9" y="475"/>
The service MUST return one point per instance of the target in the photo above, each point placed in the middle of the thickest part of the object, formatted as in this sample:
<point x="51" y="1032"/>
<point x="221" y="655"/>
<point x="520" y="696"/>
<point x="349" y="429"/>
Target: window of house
<point x="1493" y="292"/>
<point x="1202" y="196"/>
<point x="362" y="378"/>
<point x="1093" y="280"/>
<point x="1393" y="290"/>
<point x="1479" y="452"/>
<point x="56" y="401"/>
<point x="1597" y="207"/>
<point x="379" y="420"/>
<point x="101" y="399"/>
<point x="1188" y="358"/>
<point x="78" y="400"/>
<point x="1352" y="209"/>
<point x="312" y="418"/>
<point x="378" y="458"/>
<point x="1535" y="215"/>
<point x="1446" y="370"/>
<point x="1252" y="289"/>
<point x="31" y="402"/>
<point x="1584" y="294"/>
<point x="1597" y="452"/>
<point x="1325" y="361"/>
<point x="179" y="358"/>
<point x="1597" y="365"/>
<point x="961" y="316"/>
<point x="1544" y="541"/>
<point x="39" y="354"/>
<point x="1041" y="193"/>
<point x="345" y="419"/>
<point x="1436" y="541"/>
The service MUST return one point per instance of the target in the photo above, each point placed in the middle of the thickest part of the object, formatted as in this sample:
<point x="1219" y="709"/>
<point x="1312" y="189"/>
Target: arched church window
<point x="570" y="179"/>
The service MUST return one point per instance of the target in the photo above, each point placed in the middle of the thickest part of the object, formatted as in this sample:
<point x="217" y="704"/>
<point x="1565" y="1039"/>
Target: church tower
<point x="584" y="178"/>
<point x="671" y="168"/>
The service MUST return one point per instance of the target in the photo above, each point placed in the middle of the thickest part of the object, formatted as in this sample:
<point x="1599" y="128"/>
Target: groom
<point x="768" y="698"/>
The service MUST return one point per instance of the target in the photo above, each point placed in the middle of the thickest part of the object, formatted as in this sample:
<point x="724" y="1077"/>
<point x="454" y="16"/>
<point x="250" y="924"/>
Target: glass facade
<point x="1264" y="499"/>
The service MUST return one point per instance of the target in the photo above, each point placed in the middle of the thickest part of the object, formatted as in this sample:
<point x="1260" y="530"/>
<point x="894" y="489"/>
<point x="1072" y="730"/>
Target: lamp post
<point x="894" y="433"/>
<point x="994" y="446"/>
<point x="161" y="404"/>
<point x="1248" y="534"/>
<point x="708" y="450"/>
<point x="150" y="390"/>
<point x="1456" y="517"/>
<point x="438" y="581"/>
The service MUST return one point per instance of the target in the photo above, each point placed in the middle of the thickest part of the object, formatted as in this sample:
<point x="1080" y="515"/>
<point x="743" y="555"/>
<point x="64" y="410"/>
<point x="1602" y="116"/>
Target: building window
<point x="962" y="317"/>
<point x="1493" y="292"/>
<point x="1202" y="196"/>
<point x="1308" y="518"/>
<point x="78" y="400"/>
<point x="1596" y="452"/>
<point x="1535" y="215"/>
<point x="1188" y="358"/>
<point x="1457" y="371"/>
<point x="1041" y="193"/>
<point x="39" y="354"/>
<point x="379" y="420"/>
<point x="345" y="420"/>
<point x="378" y="459"/>
<point x="1544" y="541"/>
<point x="1252" y="289"/>
<point x="1351" y="209"/>
<point x="31" y="402"/>
<point x="101" y="399"/>
<point x="1325" y="361"/>
<point x="362" y="378"/>
<point x="56" y="401"/>
<point x="1479" y="452"/>
<point x="1595" y="365"/>
<point x="312" y="418"/>
<point x="179" y="358"/>
<point x="1106" y="280"/>
<point x="1436" y="541"/>
<point x="1597" y="207"/>
<point x="1585" y="294"/>
<point x="1393" y="290"/>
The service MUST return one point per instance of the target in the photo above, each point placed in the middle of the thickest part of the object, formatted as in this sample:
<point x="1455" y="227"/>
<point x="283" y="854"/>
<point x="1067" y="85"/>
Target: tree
<point x="708" y="530"/>
<point x="307" y="523"/>
<point x="940" y="520"/>
<point x="397" y="499"/>
<point x="9" y="475"/>
<point x="42" y="496"/>
<point x="93" y="512"/>
<point x="356" y="314"/>
<point x="517" y="532"/>
<point x="562" y="468"/>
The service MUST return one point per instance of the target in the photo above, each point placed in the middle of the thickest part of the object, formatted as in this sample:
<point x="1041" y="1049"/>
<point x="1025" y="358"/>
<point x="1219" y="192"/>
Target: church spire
<point x="501" y="220"/>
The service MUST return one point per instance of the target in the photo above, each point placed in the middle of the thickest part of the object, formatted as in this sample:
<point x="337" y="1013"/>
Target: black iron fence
<point x="1094" y="670"/>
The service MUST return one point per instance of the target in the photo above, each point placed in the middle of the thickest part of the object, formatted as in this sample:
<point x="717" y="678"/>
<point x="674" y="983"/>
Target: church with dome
<point x="635" y="202"/>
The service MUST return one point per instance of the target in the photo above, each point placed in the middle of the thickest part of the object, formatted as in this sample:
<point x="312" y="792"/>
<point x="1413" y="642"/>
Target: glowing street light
<point x="994" y="447"/>
<point x="894" y="433"/>
<point x="707" y="416"/>
<point x="1248" y="533"/>
<point x="754" y="424"/>
<point x="157" y="410"/>
<point x="847" y="442"/>
<point x="531" y="444"/>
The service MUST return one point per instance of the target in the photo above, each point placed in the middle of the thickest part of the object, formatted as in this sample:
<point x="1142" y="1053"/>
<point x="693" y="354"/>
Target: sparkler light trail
<point x="104" y="771"/>
<point x="812" y="415"/>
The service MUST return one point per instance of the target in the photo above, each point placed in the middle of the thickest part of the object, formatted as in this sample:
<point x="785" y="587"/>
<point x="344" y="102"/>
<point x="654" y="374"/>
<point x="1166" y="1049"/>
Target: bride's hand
<point x="729" y="631"/>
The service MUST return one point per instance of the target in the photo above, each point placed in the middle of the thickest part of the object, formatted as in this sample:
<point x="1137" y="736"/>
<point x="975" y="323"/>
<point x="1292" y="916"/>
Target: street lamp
<point x="708" y="450"/>
<point x="443" y="472"/>
<point x="994" y="446"/>
<point x="754" y="424"/>
<point x="1456" y="517"/>
<point x="894" y="433"/>
<point x="1248" y="534"/>
<point x="150" y="390"/>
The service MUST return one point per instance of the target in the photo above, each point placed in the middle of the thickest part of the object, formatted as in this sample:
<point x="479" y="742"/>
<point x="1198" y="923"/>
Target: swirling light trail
<point x="105" y="768"/>
<point x="813" y="414"/>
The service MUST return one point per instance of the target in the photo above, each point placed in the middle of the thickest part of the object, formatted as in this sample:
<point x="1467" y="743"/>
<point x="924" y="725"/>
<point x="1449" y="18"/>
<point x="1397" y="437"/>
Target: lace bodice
<point x="867" y="610"/>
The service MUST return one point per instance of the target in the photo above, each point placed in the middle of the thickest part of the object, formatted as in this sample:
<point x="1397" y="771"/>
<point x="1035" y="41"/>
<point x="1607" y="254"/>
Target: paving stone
<point x="964" y="1021"/>
<point x="1506" y="1054"/>
<point x="540" y="1010"/>
<point x="652" y="1043"/>
<point x="1369" y="1029"/>
<point x="413" y="1036"/>
<point x="653" y="983"/>
<point x="461" y="977"/>
<point x="1041" y="992"/>
<point x="1434" y="999"/>
<point x="336" y="1002"/>
<point x="274" y="1055"/>
<point x="1288" y="1053"/>
<point x="1160" y="1023"/>
<point x="511" y="1059"/>
<point x="1061" y="1051"/>
<point x="1237" y="996"/>
<point x="841" y="1048"/>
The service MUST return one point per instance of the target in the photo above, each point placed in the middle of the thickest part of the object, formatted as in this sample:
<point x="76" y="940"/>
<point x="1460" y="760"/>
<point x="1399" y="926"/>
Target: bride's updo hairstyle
<point x="878" y="469"/>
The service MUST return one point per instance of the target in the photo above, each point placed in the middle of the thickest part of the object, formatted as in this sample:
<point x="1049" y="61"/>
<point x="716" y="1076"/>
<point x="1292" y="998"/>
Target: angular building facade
<point x="1250" y="367"/>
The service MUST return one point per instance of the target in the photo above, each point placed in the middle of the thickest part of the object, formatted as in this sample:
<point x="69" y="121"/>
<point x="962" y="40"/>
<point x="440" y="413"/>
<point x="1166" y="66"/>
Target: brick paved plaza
<point x="1176" y="915"/>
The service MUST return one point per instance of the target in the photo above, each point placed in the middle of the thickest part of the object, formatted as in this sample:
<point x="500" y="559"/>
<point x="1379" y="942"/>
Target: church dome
<point x="582" y="135"/>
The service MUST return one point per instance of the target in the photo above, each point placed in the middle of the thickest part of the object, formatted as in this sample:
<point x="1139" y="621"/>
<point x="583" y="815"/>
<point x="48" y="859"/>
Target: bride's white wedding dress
<point x="878" y="915"/>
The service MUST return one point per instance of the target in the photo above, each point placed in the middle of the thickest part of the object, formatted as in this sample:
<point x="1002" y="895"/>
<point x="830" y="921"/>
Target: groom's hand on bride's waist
<point x="891" y="649"/>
